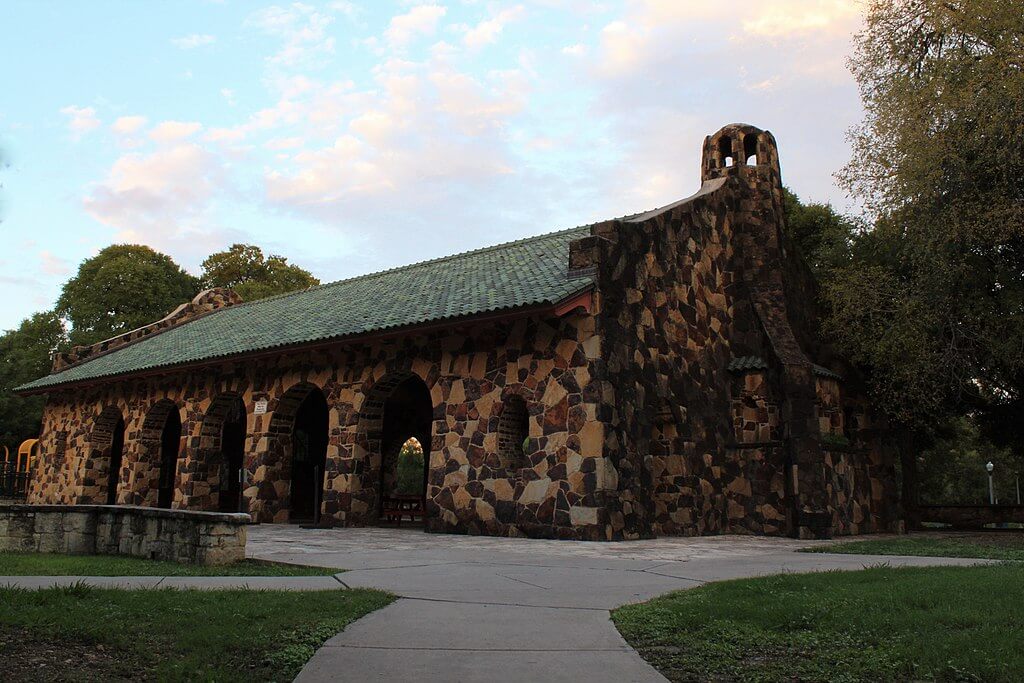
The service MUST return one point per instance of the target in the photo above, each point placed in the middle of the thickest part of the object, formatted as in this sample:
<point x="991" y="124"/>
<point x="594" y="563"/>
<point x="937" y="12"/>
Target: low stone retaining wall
<point x="152" y="533"/>
<point x="971" y="516"/>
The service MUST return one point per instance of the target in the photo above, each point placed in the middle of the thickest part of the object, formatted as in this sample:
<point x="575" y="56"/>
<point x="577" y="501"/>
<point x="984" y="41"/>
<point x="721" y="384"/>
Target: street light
<point x="991" y="492"/>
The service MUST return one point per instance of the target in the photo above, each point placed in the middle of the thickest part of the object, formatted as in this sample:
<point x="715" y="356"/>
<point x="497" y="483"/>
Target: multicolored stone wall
<point x="557" y="490"/>
<point x="683" y="291"/>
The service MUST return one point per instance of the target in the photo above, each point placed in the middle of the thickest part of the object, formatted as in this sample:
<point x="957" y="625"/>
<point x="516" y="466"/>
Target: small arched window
<point x="725" y="150"/>
<point x="513" y="432"/>
<point x="750" y="148"/>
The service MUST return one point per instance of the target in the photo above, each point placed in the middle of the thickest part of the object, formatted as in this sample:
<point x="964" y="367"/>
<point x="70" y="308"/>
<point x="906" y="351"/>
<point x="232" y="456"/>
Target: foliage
<point x="25" y="355"/>
<point x="410" y="468"/>
<point x="880" y="624"/>
<point x="992" y="546"/>
<point x="952" y="469"/>
<point x="933" y="300"/>
<point x="244" y="269"/>
<point x="176" y="635"/>
<point x="823" y="237"/>
<point x="123" y="287"/>
<point x="51" y="564"/>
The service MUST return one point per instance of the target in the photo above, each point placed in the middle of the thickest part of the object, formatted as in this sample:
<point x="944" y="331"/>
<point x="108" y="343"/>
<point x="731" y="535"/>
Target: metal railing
<point x="13" y="483"/>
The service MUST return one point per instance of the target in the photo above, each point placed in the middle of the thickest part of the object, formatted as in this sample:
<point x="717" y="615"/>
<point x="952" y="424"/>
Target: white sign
<point x="260" y="407"/>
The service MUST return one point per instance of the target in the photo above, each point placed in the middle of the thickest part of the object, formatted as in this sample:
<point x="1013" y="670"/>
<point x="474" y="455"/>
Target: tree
<point x="25" y="354"/>
<point x="823" y="237"/>
<point x="244" y="269"/>
<point x="123" y="287"/>
<point x="933" y="301"/>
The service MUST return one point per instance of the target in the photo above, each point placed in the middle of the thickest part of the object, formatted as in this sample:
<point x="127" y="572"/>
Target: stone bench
<point x="151" y="533"/>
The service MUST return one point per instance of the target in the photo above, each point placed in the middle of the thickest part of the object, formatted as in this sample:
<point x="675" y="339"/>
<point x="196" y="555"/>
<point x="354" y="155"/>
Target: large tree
<point x="933" y="300"/>
<point x="25" y="354"/>
<point x="244" y="269"/>
<point x="123" y="287"/>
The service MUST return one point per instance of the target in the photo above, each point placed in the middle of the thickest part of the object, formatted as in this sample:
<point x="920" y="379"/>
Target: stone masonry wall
<point x="558" y="492"/>
<point x="178" y="536"/>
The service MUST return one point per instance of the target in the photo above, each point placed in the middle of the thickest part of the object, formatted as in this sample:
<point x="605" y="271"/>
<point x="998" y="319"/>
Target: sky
<point x="353" y="136"/>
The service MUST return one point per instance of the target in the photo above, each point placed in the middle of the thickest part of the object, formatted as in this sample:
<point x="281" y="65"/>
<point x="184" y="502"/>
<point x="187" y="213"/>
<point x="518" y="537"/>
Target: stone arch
<point x="155" y="477"/>
<point x="293" y="465"/>
<point x="103" y="464"/>
<point x="397" y="407"/>
<point x="210" y="478"/>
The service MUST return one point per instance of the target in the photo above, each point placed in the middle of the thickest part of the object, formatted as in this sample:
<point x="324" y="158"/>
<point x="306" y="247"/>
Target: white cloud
<point x="162" y="199"/>
<point x="487" y="31"/>
<point x="577" y="50"/>
<point x="53" y="265"/>
<point x="173" y="131"/>
<point x="81" y="120"/>
<point x="229" y="95"/>
<point x="302" y="30"/>
<point x="128" y="125"/>
<point x="419" y="21"/>
<point x="194" y="40"/>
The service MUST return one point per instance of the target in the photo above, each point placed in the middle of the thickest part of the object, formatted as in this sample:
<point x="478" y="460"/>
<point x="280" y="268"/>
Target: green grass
<point x="883" y="623"/>
<point x="994" y="546"/>
<point x="45" y="564"/>
<point x="79" y="633"/>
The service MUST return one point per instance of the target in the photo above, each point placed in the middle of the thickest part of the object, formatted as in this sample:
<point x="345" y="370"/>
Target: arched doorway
<point x="403" y="409"/>
<point x="106" y="454"/>
<point x="233" y="455"/>
<point x="215" y="469"/>
<point x="116" y="457"/>
<point x="170" y="446"/>
<point x="309" y="456"/>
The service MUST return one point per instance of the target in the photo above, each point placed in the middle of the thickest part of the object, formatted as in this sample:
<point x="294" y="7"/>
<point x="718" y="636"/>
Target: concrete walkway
<point x="495" y="609"/>
<point x="490" y="609"/>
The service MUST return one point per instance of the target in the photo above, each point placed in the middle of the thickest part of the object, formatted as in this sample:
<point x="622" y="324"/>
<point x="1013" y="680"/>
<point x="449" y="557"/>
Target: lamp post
<point x="991" y="492"/>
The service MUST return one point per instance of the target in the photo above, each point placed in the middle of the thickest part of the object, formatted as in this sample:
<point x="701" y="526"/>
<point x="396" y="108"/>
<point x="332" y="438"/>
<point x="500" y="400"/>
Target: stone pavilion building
<point x="656" y="374"/>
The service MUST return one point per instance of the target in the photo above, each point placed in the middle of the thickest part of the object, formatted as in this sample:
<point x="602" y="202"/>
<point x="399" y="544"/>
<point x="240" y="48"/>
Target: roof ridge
<point x="410" y="266"/>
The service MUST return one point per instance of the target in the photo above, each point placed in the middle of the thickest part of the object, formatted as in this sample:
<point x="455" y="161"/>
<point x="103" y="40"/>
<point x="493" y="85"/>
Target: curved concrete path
<point x="499" y="609"/>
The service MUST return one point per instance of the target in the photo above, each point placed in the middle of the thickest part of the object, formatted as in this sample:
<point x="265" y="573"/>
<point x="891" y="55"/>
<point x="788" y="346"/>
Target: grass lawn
<point x="882" y="623"/>
<point x="992" y="545"/>
<point x="44" y="564"/>
<point x="79" y="633"/>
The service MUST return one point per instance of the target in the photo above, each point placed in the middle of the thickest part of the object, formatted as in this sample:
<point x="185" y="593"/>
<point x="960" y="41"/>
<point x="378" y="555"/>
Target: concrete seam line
<point x="505" y="604"/>
<point x="157" y="584"/>
<point x="484" y="649"/>
<point x="335" y="577"/>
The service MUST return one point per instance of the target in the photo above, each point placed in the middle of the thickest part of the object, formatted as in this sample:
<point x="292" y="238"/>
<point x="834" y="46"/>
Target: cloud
<point x="577" y="50"/>
<point x="302" y="30"/>
<point x="194" y="40"/>
<point x="162" y="199"/>
<point x="128" y="125"/>
<point x="419" y="21"/>
<point x="81" y="120"/>
<point x="487" y="31"/>
<point x="173" y="131"/>
<point x="53" y="265"/>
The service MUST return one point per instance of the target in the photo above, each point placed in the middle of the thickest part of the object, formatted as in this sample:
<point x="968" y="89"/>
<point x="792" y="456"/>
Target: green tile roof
<point x="528" y="272"/>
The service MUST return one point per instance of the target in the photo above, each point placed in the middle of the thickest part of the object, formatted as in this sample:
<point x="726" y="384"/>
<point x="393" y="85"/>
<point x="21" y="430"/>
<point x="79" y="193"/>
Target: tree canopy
<point x="25" y="355"/>
<point x="244" y="269"/>
<point x="933" y="300"/>
<point x="123" y="287"/>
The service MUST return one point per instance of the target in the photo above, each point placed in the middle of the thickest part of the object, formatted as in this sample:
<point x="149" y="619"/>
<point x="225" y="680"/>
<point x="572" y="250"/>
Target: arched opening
<point x="397" y="425"/>
<point x="513" y="432"/>
<point x="116" y="457"/>
<point x="170" y="447"/>
<point x="750" y="148"/>
<point x="215" y="469"/>
<point x="725" y="150"/>
<point x="309" y="456"/>
<point x="229" y="497"/>
<point x="106" y="454"/>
